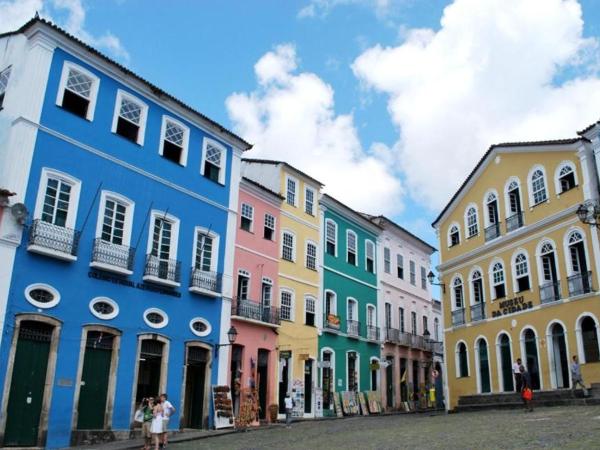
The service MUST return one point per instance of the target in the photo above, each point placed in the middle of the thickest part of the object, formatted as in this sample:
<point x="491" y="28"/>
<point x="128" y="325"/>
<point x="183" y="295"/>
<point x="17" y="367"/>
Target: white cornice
<point x="299" y="280"/>
<point x="254" y="252"/>
<point x="299" y="220"/>
<point x="349" y="277"/>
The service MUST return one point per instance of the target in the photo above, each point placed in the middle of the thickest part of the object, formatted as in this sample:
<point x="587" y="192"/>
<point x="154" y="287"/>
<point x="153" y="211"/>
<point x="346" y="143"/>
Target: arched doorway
<point x="484" y="367"/>
<point x="389" y="382"/>
<point x="560" y="361"/>
<point x="505" y="356"/>
<point x="531" y="357"/>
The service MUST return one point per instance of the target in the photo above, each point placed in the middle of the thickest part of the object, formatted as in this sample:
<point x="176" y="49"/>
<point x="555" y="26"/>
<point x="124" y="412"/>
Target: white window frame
<point x="471" y="285"/>
<point x="186" y="138"/>
<point x="335" y="237"/>
<point x="246" y="274"/>
<point x="205" y="322"/>
<point x="73" y="198"/>
<point x="46" y="287"/>
<point x="121" y="94"/>
<point x="412" y="272"/>
<point x="348" y="233"/>
<point x="512" y="179"/>
<point x="274" y="229"/>
<point x="294" y="245"/>
<point x="562" y="165"/>
<point x="457" y="360"/>
<point x="308" y="298"/>
<point x="387" y="263"/>
<point x="7" y="69"/>
<point x="353" y="301"/>
<point x="156" y="326"/>
<point x="110" y="301"/>
<point x="486" y="202"/>
<point x="493" y="284"/>
<point x="154" y="214"/>
<point x="296" y="192"/>
<point x="334" y="309"/>
<point x="532" y="202"/>
<point x="453" y="296"/>
<point x="449" y="237"/>
<point x="251" y="230"/>
<point x="309" y="242"/>
<point x="579" y="334"/>
<point x="205" y="142"/>
<point x="129" y="210"/>
<point x="214" y="257"/>
<point x="477" y="225"/>
<point x="367" y="242"/>
<point x="513" y="266"/>
<point x="67" y="67"/>
<point x="371" y="306"/>
<point x="314" y="193"/>
<point x="292" y="303"/>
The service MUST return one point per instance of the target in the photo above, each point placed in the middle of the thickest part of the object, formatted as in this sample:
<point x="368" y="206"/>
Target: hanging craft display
<point x="222" y="407"/>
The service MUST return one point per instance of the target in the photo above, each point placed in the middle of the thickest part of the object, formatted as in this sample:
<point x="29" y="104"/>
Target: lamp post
<point x="231" y="337"/>
<point x="431" y="278"/>
<point x="589" y="213"/>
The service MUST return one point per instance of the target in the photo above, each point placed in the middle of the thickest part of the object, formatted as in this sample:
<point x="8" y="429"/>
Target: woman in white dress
<point x="157" y="423"/>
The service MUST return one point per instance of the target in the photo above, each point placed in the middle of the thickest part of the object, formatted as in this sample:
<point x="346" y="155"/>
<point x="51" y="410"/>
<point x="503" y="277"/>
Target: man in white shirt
<point x="168" y="410"/>
<point x="518" y="376"/>
<point x="289" y="405"/>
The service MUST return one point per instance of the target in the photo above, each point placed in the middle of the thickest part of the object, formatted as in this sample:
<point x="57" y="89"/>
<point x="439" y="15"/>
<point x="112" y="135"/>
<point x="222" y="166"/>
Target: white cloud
<point x="69" y="14"/>
<point x="290" y="117"/>
<point x="322" y="8"/>
<point x="487" y="75"/>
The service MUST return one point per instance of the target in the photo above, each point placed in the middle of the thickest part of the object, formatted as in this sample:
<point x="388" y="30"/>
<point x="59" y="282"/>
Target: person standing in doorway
<point x="147" y="411"/>
<point x="289" y="405"/>
<point x="168" y="411"/>
<point x="526" y="389"/>
<point x="576" y="376"/>
<point x="157" y="423"/>
<point x="518" y="375"/>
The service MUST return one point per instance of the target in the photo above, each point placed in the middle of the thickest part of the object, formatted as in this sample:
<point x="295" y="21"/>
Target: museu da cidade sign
<point x="511" y="306"/>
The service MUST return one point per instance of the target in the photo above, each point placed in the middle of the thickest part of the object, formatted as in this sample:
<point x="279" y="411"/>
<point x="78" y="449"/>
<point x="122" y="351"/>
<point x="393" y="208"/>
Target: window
<point x="206" y="250"/>
<point x="522" y="272"/>
<point x="370" y="256"/>
<point x="58" y="199"/>
<point x="425" y="325"/>
<point x="331" y="237"/>
<point x="266" y="292"/>
<point x="401" y="319"/>
<point x="330" y="303"/>
<point x="566" y="178"/>
<point x="243" y="285"/>
<point x="498" y="285"/>
<point x="457" y="290"/>
<point x="200" y="327"/>
<point x="436" y="329"/>
<point x="472" y="226"/>
<point x="290" y="193"/>
<point x="413" y="322"/>
<point x="351" y="247"/>
<point x="77" y="91"/>
<point x="388" y="315"/>
<point x="453" y="236"/>
<point x="269" y="231"/>
<point x="311" y="255"/>
<point x="104" y="308"/>
<point x="287" y="246"/>
<point x="309" y="201"/>
<point x="462" y="364"/>
<point x="477" y="287"/>
<point x="287" y="301"/>
<point x="491" y="204"/>
<point x="174" y="141"/>
<point x="538" y="187"/>
<point x="246" y="217"/>
<point x="130" y="118"/>
<point x="309" y="311"/>
<point x="387" y="260"/>
<point x="114" y="221"/>
<point x="514" y="198"/>
<point x="371" y="321"/>
<point x="400" y="266"/>
<point x="352" y="307"/>
<point x="42" y="296"/>
<point x="162" y="234"/>
<point x="156" y="318"/>
<point x="423" y="278"/>
<point x="4" y="76"/>
<point x="413" y="273"/>
<point x="589" y="338"/>
<point x="214" y="156"/>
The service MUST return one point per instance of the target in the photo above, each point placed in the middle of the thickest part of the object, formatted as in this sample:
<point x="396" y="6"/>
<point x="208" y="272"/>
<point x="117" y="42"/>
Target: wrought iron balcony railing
<point x="331" y="322"/>
<point x="458" y="317"/>
<point x="417" y="341"/>
<point x="163" y="271"/>
<point x="53" y="240"/>
<point x="353" y="328"/>
<point x="372" y="333"/>
<point x="251" y="309"/>
<point x="113" y="257"/>
<point x="478" y="312"/>
<point x="205" y="282"/>
<point x="405" y="339"/>
<point x="514" y="222"/>
<point x="580" y="283"/>
<point x="550" y="292"/>
<point x="391" y="335"/>
<point x="492" y="232"/>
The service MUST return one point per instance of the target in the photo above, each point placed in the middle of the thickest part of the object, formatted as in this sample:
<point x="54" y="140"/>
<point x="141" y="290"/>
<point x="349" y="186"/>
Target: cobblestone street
<point x="559" y="427"/>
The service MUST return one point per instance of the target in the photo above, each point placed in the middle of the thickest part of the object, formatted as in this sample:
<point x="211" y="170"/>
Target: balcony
<point x="550" y="292"/>
<point x="492" y="232"/>
<point x="112" y="257"/>
<point x="579" y="284"/>
<point x="353" y="328"/>
<point x="372" y="333"/>
<point x="331" y="322"/>
<point x="478" y="312"/>
<point x="162" y="271"/>
<point x="458" y="317"/>
<point x="52" y="240"/>
<point x="392" y="335"/>
<point x="514" y="222"/>
<point x="255" y="311"/>
<point x="417" y="341"/>
<point x="205" y="282"/>
<point x="404" y="339"/>
<point x="437" y="347"/>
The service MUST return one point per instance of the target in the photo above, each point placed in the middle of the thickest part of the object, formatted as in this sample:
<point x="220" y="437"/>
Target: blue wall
<point x="71" y="278"/>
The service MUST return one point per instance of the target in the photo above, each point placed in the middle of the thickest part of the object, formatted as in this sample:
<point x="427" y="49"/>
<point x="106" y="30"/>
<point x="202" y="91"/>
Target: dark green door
<point x="27" y="385"/>
<point x="531" y="357"/>
<point x="94" y="381"/>
<point x="506" y="361"/>
<point x="484" y="367"/>
<point x="263" y="382"/>
<point x="195" y="381"/>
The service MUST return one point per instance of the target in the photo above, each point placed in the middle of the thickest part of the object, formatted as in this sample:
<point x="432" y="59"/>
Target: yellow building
<point x="299" y="278"/>
<point x="520" y="271"/>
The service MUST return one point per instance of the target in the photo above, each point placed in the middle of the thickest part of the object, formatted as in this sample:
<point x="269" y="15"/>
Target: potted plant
<point x="273" y="411"/>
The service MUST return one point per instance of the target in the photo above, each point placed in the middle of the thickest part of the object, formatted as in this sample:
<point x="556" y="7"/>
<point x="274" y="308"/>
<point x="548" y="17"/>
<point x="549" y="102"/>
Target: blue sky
<point x="204" y="51"/>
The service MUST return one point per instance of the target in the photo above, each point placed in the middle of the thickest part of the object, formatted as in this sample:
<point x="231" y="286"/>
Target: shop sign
<point x="324" y="364"/>
<point x="303" y="356"/>
<point x="285" y="354"/>
<point x="374" y="366"/>
<point x="511" y="306"/>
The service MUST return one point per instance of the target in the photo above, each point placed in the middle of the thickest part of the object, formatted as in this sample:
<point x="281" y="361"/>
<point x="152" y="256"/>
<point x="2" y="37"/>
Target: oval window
<point x="200" y="327"/>
<point x="42" y="295"/>
<point x="104" y="308"/>
<point x="155" y="318"/>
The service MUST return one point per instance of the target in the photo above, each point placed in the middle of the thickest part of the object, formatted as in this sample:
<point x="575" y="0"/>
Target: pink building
<point x="255" y="313"/>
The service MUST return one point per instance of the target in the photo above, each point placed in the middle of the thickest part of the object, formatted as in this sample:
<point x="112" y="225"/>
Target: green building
<point x="349" y="341"/>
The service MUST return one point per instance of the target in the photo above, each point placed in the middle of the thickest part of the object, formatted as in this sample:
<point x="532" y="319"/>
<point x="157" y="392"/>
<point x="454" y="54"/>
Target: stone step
<point x="511" y="397"/>
<point x="536" y="403"/>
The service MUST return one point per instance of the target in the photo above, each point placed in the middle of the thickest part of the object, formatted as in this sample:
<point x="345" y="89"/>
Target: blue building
<point x="118" y="284"/>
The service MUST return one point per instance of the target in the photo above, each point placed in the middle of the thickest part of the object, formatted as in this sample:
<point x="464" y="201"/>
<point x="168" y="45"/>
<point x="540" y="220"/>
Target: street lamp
<point x="231" y="337"/>
<point x="589" y="213"/>
<point x="431" y="277"/>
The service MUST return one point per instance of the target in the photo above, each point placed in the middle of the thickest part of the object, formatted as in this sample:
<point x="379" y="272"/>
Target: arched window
<point x="462" y="361"/>
<point x="580" y="279"/>
<point x="457" y="289"/>
<point x="521" y="273"/>
<point x="589" y="340"/>
<point x="477" y="287"/>
<point x="453" y="235"/>
<point x="514" y="215"/>
<point x="436" y="329"/>
<point x="491" y="203"/>
<point x="566" y="178"/>
<point x="472" y="225"/>
<point x="538" y="187"/>
<point x="550" y="288"/>
<point x="498" y="285"/>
